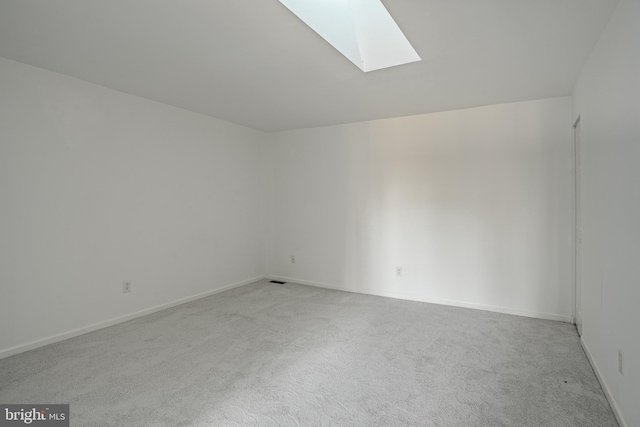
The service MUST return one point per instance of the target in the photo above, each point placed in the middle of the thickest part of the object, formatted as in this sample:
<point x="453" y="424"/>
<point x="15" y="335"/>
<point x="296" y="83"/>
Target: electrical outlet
<point x="293" y="259"/>
<point x="399" y="271"/>
<point x="126" y="286"/>
<point x="621" y="362"/>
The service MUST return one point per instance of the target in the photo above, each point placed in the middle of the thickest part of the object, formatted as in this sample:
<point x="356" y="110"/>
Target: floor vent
<point x="275" y="281"/>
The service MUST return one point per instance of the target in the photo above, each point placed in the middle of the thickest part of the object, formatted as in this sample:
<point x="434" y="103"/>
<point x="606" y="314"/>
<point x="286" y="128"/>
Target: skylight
<point x="362" y="30"/>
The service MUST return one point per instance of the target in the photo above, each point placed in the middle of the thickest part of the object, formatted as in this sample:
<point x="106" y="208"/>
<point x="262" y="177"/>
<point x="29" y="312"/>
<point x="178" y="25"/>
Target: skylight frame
<point x="361" y="30"/>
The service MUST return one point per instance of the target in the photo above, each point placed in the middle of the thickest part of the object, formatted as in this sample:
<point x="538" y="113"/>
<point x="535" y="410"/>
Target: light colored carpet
<point x="277" y="355"/>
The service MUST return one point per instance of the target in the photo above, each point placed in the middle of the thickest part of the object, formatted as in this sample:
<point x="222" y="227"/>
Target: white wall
<point x="97" y="186"/>
<point x="475" y="205"/>
<point x="607" y="99"/>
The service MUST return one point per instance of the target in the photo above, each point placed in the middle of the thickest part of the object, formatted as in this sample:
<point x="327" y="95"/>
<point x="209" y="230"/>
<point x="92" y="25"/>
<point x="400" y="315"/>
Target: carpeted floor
<point x="291" y="355"/>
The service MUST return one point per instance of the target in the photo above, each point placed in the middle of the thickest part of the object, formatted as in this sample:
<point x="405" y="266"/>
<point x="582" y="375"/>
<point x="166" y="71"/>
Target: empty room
<point x="320" y="213"/>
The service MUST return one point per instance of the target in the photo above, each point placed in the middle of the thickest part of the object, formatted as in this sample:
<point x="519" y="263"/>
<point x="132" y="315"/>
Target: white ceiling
<point x="254" y="63"/>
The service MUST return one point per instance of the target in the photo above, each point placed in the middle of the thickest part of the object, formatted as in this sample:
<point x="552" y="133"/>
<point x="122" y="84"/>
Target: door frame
<point x="577" y="232"/>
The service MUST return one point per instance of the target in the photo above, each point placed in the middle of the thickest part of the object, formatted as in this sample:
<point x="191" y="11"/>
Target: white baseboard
<point x="100" y="325"/>
<point x="614" y="405"/>
<point x="417" y="297"/>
